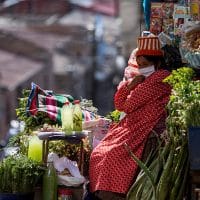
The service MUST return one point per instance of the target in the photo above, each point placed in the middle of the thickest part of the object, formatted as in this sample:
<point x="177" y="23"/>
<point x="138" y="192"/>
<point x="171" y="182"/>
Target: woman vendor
<point x="143" y="100"/>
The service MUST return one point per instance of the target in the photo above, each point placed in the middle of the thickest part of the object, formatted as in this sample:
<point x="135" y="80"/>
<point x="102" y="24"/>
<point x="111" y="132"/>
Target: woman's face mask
<point x="146" y="71"/>
<point x="145" y="67"/>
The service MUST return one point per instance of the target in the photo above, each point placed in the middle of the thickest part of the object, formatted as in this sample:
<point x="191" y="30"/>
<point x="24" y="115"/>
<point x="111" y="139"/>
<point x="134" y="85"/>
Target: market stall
<point x="44" y="141"/>
<point x="47" y="146"/>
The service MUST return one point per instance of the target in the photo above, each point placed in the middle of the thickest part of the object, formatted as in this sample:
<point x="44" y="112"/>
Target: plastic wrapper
<point x="70" y="181"/>
<point x="74" y="178"/>
<point x="193" y="58"/>
<point x="165" y="39"/>
<point x="10" y="151"/>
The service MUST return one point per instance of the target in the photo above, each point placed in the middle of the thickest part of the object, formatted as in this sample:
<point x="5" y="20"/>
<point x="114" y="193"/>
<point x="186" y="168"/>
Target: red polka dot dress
<point x="111" y="167"/>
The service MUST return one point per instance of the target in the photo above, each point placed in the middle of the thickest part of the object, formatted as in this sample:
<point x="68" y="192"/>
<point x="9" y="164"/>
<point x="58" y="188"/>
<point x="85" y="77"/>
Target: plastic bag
<point x="60" y="164"/>
<point x="190" y="44"/>
<point x="165" y="39"/>
<point x="193" y="58"/>
<point x="70" y="181"/>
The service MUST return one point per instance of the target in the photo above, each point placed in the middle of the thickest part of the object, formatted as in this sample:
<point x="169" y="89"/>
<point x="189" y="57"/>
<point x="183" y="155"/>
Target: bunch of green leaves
<point x="183" y="107"/>
<point x="114" y="115"/>
<point x="180" y="77"/>
<point x="19" y="174"/>
<point x="164" y="174"/>
<point x="20" y="140"/>
<point x="193" y="114"/>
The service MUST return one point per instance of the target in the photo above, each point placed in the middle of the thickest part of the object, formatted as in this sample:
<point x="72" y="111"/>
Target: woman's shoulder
<point x="161" y="74"/>
<point x="158" y="76"/>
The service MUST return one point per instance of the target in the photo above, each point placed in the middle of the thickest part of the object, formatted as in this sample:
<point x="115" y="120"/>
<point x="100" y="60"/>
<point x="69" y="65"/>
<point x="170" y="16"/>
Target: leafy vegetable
<point x="184" y="101"/>
<point x="19" y="174"/>
<point x="114" y="115"/>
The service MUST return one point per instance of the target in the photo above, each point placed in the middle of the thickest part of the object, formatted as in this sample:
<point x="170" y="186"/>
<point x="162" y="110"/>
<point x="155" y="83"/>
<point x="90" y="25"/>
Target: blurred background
<point x="76" y="47"/>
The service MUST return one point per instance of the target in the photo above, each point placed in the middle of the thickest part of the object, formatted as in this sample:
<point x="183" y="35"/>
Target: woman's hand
<point x="135" y="81"/>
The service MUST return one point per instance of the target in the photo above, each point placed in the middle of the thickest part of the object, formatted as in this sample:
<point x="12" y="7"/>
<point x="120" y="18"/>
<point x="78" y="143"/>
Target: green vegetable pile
<point x="19" y="174"/>
<point x="164" y="175"/>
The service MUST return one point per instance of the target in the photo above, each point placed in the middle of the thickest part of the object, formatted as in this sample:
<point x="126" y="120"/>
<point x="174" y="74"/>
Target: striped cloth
<point x="40" y="100"/>
<point x="149" y="45"/>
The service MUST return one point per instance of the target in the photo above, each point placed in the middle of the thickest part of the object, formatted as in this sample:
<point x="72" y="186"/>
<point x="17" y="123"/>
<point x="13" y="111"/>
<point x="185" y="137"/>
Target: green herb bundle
<point x="184" y="105"/>
<point x="19" y="174"/>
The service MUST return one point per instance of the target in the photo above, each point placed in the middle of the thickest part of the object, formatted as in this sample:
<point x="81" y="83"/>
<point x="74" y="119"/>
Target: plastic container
<point x="49" y="185"/>
<point x="77" y="116"/>
<point x="65" y="194"/>
<point x="35" y="149"/>
<point x="67" y="118"/>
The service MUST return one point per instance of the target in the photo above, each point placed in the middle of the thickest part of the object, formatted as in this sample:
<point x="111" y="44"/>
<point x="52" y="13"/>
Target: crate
<point x="194" y="147"/>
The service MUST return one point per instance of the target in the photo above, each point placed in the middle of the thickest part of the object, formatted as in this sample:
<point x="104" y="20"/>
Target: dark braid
<point x="158" y="61"/>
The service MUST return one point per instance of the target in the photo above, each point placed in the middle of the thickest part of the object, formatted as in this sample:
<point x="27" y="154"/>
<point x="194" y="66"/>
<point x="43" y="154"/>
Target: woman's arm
<point x="125" y="89"/>
<point x="127" y="101"/>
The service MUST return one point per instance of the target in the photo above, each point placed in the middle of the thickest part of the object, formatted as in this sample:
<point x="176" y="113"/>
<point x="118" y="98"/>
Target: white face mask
<point x="147" y="71"/>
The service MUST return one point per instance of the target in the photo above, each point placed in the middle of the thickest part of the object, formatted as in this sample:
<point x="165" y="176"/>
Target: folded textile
<point x="46" y="101"/>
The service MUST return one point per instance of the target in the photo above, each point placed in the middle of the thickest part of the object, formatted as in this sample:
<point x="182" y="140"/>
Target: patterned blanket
<point x="46" y="101"/>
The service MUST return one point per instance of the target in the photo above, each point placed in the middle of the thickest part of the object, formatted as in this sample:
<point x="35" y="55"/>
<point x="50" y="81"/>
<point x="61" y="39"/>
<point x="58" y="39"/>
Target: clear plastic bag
<point x="74" y="179"/>
<point x="190" y="44"/>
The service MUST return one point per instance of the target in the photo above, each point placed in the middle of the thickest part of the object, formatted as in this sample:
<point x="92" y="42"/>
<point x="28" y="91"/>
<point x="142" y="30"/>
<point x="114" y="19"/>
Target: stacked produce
<point x="165" y="172"/>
